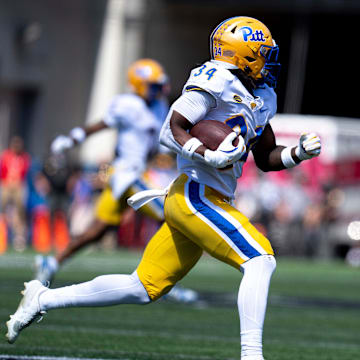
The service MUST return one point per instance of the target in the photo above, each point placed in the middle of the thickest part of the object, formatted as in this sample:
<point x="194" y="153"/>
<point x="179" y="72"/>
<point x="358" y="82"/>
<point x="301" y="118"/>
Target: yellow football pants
<point x="197" y="218"/>
<point x="110" y="210"/>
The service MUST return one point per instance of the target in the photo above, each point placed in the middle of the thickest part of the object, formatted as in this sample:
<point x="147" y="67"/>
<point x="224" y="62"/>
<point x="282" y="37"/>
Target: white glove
<point x="78" y="134"/>
<point x="309" y="146"/>
<point x="61" y="143"/>
<point x="226" y="153"/>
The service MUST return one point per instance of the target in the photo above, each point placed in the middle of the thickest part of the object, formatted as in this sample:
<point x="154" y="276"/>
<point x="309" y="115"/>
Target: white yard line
<point x="158" y="355"/>
<point x="26" y="357"/>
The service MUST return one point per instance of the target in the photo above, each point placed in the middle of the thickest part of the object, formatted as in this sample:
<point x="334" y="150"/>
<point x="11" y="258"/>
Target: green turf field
<point x="313" y="314"/>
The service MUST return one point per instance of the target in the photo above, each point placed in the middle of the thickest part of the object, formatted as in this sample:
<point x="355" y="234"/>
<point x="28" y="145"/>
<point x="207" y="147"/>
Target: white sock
<point x="252" y="301"/>
<point x="102" y="291"/>
<point x="53" y="263"/>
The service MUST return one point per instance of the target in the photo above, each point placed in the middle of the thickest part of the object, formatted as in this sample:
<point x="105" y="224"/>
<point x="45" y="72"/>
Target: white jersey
<point x="137" y="137"/>
<point x="137" y="127"/>
<point x="236" y="107"/>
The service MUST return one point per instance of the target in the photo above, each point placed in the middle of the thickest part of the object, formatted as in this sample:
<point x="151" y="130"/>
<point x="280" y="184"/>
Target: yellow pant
<point x="110" y="210"/>
<point x="197" y="218"/>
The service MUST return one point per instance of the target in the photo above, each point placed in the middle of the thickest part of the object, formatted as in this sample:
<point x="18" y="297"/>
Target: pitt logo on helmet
<point x="256" y="35"/>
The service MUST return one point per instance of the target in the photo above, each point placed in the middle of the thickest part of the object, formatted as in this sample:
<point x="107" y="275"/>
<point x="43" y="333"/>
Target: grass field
<point x="313" y="314"/>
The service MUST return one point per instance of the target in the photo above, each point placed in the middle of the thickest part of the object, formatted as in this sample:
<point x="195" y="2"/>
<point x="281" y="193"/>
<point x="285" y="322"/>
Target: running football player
<point x="132" y="114"/>
<point x="236" y="87"/>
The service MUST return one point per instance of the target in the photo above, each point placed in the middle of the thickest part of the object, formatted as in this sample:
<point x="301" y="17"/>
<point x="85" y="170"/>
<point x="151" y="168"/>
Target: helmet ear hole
<point x="250" y="59"/>
<point x="233" y="29"/>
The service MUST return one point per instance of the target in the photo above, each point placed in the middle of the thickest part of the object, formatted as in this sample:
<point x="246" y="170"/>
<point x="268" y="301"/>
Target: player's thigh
<point x="167" y="258"/>
<point x="108" y="209"/>
<point x="153" y="209"/>
<point x="205" y="216"/>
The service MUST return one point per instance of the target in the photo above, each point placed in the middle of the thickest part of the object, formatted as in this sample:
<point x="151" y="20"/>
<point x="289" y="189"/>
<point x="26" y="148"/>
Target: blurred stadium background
<point x="60" y="64"/>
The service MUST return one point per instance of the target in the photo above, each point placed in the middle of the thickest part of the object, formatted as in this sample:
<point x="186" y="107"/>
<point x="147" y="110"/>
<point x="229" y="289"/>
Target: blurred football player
<point x="236" y="87"/>
<point x="138" y="117"/>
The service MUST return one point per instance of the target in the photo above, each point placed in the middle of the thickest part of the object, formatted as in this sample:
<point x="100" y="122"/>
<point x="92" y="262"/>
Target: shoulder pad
<point x="208" y="77"/>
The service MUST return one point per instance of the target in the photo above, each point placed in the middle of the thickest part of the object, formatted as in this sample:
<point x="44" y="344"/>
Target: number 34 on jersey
<point x="204" y="70"/>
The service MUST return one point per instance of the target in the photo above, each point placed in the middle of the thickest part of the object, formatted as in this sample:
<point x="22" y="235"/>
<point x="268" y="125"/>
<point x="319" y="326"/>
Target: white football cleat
<point x="28" y="310"/>
<point x="45" y="268"/>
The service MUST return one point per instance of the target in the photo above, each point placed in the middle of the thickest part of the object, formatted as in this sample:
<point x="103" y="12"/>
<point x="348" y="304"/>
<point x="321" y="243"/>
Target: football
<point x="211" y="133"/>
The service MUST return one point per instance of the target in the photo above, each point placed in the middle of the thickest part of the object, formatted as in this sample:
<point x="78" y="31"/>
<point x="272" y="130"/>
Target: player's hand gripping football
<point x="226" y="153"/>
<point x="309" y="146"/>
<point x="61" y="143"/>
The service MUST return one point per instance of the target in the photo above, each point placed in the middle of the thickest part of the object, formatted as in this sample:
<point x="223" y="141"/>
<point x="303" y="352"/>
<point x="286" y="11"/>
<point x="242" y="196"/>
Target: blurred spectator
<point x="14" y="166"/>
<point x="38" y="190"/>
<point x="312" y="230"/>
<point x="80" y="187"/>
<point x="58" y="170"/>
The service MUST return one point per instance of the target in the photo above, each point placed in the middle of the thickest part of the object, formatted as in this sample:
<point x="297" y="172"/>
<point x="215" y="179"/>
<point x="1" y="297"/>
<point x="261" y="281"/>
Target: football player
<point x="138" y="117"/>
<point x="236" y="87"/>
<point x="133" y="116"/>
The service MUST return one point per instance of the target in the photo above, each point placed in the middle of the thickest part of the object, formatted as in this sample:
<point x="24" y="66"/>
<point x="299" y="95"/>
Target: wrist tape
<point x="287" y="159"/>
<point x="188" y="149"/>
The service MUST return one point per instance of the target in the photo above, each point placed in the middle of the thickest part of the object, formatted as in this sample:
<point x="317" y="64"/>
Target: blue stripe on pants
<point x="220" y="222"/>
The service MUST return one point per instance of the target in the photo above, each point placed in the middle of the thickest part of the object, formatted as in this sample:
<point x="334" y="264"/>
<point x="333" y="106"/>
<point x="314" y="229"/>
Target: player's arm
<point x="92" y="129"/>
<point x="180" y="126"/>
<point x="190" y="108"/>
<point x="272" y="157"/>
<point x="76" y="136"/>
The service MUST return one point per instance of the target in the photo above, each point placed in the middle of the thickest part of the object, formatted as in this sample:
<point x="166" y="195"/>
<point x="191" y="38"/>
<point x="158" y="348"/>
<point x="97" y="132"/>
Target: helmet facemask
<point x="271" y="70"/>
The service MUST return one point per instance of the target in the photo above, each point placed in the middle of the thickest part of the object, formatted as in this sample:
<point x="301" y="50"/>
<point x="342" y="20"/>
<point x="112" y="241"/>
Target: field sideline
<point x="313" y="314"/>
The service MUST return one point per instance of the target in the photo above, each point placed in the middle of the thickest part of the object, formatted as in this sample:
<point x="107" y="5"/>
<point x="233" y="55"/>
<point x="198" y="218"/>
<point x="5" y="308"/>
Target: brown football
<point x="211" y="133"/>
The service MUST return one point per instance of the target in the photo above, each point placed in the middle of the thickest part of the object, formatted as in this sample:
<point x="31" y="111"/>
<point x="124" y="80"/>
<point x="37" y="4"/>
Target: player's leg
<point x="252" y="303"/>
<point x="108" y="213"/>
<point x="220" y="229"/>
<point x="167" y="258"/>
<point x="155" y="210"/>
<point x="94" y="233"/>
<point x="104" y="290"/>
